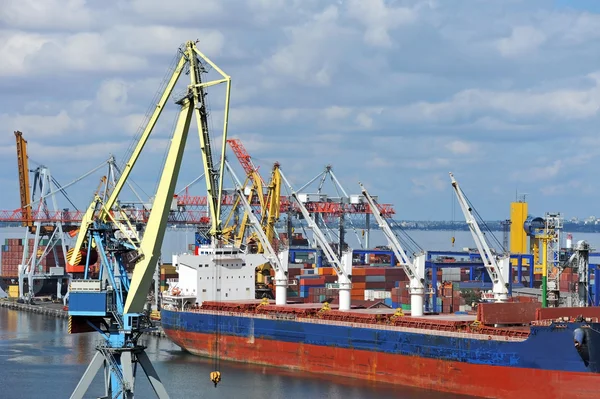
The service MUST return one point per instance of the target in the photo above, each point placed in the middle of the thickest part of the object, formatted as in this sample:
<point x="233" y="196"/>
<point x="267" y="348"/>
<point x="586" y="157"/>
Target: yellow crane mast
<point x="23" y="167"/>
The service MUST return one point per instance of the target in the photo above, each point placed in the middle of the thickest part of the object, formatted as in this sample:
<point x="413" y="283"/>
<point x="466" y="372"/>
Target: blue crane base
<point x="119" y="365"/>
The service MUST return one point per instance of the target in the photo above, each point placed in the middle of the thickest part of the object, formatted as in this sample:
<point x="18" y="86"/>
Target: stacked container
<point x="12" y="256"/>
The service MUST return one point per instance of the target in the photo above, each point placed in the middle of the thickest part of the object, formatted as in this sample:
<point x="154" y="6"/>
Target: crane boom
<point x="88" y="217"/>
<point x="278" y="262"/>
<point x="497" y="267"/>
<point x="393" y="241"/>
<point x="414" y="270"/>
<point x="23" y="167"/>
<point x="343" y="267"/>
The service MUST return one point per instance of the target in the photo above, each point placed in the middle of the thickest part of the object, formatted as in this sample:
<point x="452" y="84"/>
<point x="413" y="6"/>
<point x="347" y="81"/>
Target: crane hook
<point x="215" y="377"/>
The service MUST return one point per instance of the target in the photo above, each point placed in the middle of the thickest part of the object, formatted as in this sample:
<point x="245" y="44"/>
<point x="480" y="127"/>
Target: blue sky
<point x="392" y="93"/>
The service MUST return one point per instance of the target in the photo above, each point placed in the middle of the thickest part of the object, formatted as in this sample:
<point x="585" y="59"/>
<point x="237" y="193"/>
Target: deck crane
<point x="497" y="266"/>
<point x="113" y="304"/>
<point x="415" y="269"/>
<point x="278" y="262"/>
<point x="342" y="265"/>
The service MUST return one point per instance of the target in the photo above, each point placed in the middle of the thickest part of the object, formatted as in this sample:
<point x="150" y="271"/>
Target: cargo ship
<point x="556" y="355"/>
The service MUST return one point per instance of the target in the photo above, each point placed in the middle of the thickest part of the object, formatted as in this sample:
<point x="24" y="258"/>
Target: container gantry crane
<point x="280" y="261"/>
<point x="342" y="265"/>
<point x="497" y="265"/>
<point x="415" y="269"/>
<point x="113" y="304"/>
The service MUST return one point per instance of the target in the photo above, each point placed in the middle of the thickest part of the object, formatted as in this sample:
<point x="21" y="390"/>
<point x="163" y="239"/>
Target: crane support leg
<point x="119" y="373"/>
<point x="155" y="229"/>
<point x="345" y="284"/>
<point x="417" y="289"/>
<point x="281" y="279"/>
<point x="87" y="378"/>
<point x="152" y="375"/>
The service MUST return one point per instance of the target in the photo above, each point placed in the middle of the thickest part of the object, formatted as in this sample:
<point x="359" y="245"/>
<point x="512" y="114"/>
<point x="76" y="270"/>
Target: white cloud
<point x="459" y="147"/>
<point x="364" y="121"/>
<point x="566" y="104"/>
<point x="16" y="48"/>
<point x="335" y="112"/>
<point x="378" y="19"/>
<point x="176" y="10"/>
<point x="522" y="40"/>
<point x="40" y="126"/>
<point x="112" y="96"/>
<point x="80" y="152"/>
<point x="66" y="15"/>
<point x="89" y="52"/>
<point x="428" y="183"/>
<point x="412" y="87"/>
<point x="313" y="51"/>
<point x="162" y="39"/>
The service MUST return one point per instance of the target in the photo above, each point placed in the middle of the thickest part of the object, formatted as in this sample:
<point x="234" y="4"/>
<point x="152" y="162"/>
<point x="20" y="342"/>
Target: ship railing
<point x="454" y="334"/>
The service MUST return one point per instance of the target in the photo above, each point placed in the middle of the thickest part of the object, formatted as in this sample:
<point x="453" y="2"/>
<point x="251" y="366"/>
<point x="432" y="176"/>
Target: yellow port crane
<point x="269" y="210"/>
<point x="116" y="309"/>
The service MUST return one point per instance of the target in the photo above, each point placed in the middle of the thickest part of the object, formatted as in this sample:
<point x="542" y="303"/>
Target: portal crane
<point x="342" y="265"/>
<point x="113" y="304"/>
<point x="497" y="266"/>
<point x="415" y="270"/>
<point x="278" y="262"/>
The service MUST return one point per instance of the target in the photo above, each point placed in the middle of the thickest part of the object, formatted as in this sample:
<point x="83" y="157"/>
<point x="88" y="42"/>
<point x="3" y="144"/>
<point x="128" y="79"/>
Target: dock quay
<point x="56" y="310"/>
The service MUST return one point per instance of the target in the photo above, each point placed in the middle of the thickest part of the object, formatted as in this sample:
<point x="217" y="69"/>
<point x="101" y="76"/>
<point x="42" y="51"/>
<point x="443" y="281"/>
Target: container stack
<point x="400" y="296"/>
<point x="376" y="283"/>
<point x="12" y="256"/>
<point x="167" y="274"/>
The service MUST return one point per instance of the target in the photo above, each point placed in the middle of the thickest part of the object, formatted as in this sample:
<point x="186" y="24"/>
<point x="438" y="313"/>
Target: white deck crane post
<point x="415" y="270"/>
<point x="278" y="262"/>
<point x="497" y="266"/>
<point x="343" y="266"/>
<point x="113" y="304"/>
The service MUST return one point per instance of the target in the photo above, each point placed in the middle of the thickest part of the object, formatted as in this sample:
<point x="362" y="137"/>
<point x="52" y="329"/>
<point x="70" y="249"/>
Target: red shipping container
<point x="507" y="313"/>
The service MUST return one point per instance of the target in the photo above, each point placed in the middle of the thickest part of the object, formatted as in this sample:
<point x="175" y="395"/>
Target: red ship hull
<point x="435" y="374"/>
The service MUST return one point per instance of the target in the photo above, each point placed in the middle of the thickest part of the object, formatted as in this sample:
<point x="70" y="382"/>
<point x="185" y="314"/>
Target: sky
<point x="394" y="94"/>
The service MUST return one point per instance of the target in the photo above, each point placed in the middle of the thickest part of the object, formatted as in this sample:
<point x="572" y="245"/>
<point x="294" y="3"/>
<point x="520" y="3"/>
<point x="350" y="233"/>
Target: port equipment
<point x="48" y="242"/>
<point x="113" y="304"/>
<point x="580" y="261"/>
<point x="280" y="261"/>
<point x="342" y="265"/>
<point x="415" y="269"/>
<point x="498" y="266"/>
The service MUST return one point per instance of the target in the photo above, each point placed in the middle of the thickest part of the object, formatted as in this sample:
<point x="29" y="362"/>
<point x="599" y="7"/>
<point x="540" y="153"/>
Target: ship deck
<point x="455" y="325"/>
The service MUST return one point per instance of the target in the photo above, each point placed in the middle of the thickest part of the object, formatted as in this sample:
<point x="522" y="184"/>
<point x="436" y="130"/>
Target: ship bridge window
<point x="244" y="264"/>
<point x="204" y="290"/>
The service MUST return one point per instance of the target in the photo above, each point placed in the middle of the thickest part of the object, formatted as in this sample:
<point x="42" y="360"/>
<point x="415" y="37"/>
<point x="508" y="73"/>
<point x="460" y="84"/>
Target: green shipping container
<point x="405" y="306"/>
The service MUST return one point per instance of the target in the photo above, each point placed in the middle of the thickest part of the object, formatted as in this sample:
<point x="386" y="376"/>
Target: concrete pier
<point x="57" y="310"/>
